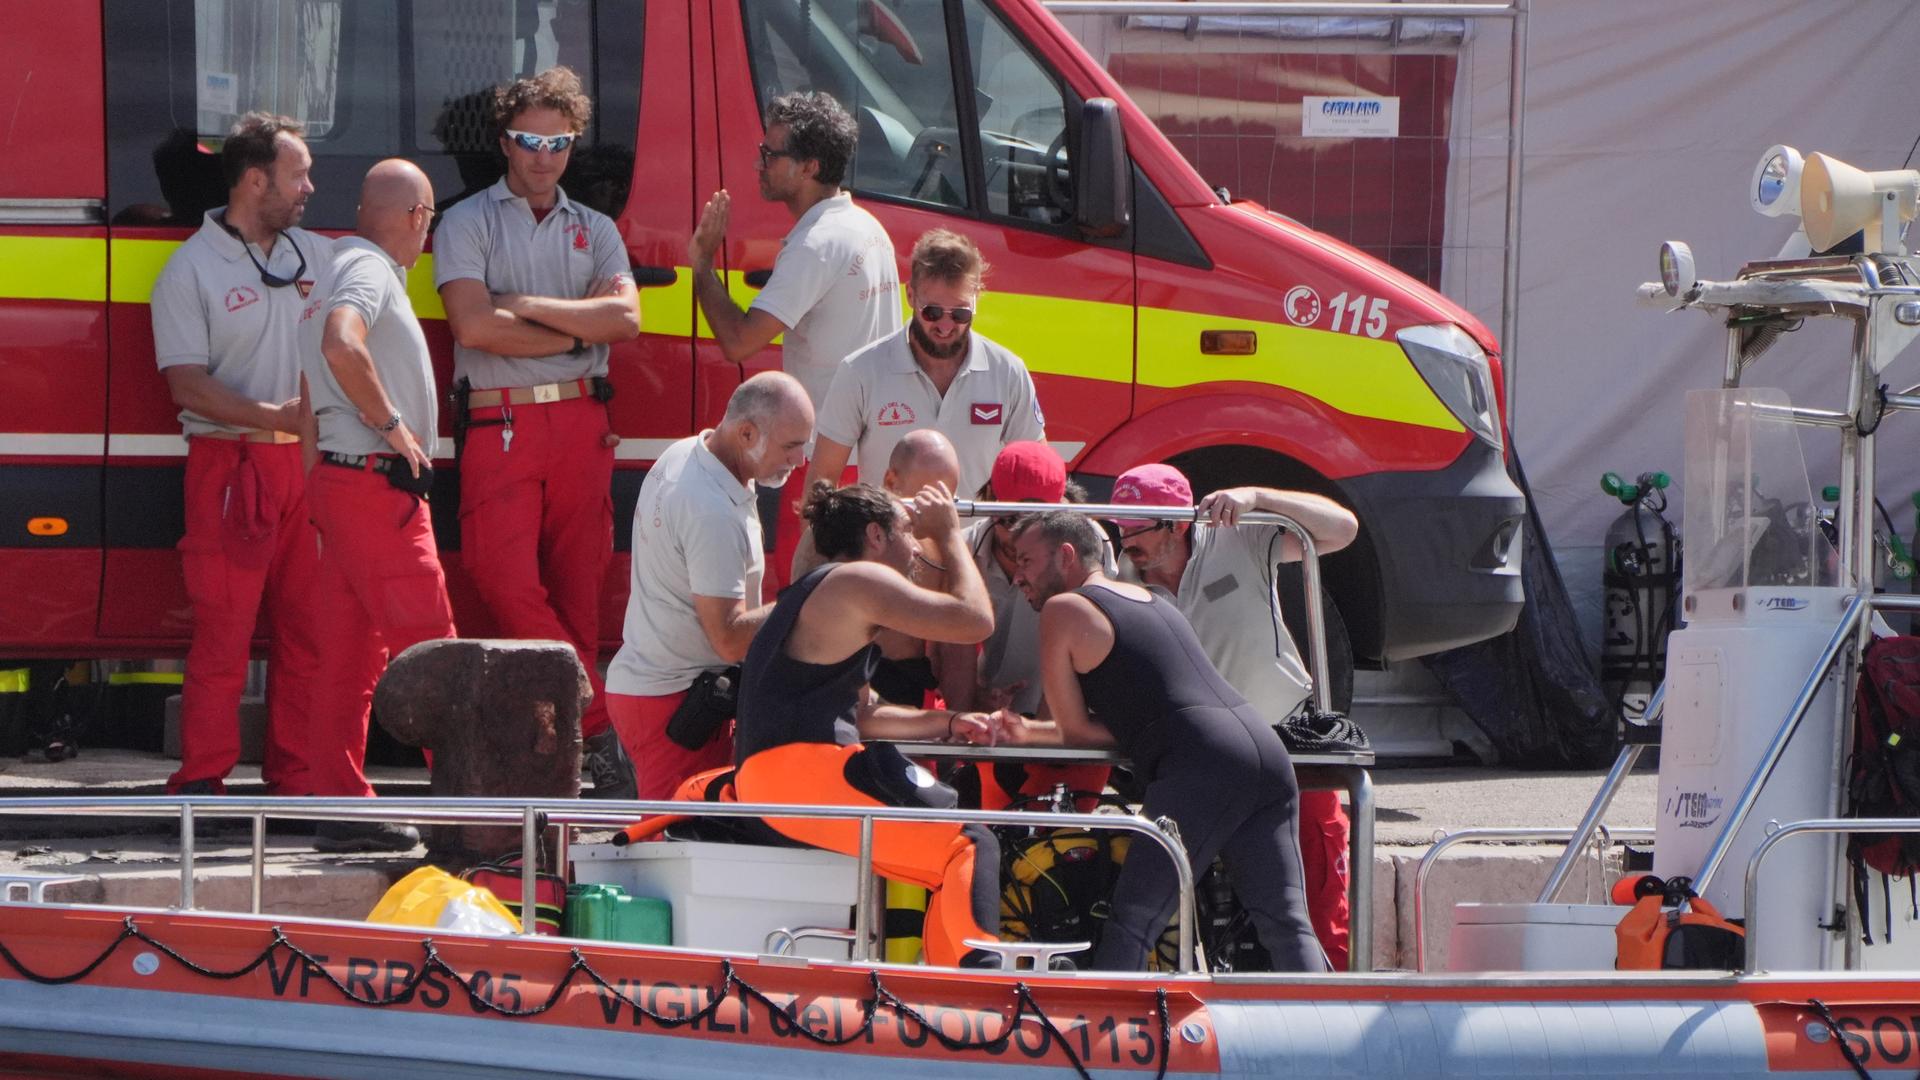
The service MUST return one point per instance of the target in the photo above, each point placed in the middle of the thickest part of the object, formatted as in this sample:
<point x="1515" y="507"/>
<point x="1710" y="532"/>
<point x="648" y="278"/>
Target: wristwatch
<point x="392" y="422"/>
<point x="578" y="347"/>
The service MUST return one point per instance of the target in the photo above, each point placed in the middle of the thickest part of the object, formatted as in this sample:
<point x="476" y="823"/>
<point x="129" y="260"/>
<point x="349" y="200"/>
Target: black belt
<point x="380" y="463"/>
<point x="392" y="466"/>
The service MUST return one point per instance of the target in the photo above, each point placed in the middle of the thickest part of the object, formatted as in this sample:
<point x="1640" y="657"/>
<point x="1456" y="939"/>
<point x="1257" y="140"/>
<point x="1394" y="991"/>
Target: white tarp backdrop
<point x="1644" y="120"/>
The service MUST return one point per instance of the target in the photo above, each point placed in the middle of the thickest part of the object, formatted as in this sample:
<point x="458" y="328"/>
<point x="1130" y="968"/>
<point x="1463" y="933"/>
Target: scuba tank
<point x="1642" y="580"/>
<point x="1893" y="559"/>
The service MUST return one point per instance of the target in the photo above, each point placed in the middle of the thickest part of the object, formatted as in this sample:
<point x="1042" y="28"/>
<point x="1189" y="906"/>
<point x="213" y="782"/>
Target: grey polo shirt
<point x="881" y="393"/>
<point x="1226" y="593"/>
<point x="365" y="280"/>
<point x="696" y="531"/>
<point x="492" y="237"/>
<point x="210" y="308"/>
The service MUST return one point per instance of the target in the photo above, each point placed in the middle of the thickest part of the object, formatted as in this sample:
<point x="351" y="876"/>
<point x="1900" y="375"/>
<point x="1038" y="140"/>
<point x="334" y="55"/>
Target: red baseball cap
<point x="1149" y="485"/>
<point x="1029" y="472"/>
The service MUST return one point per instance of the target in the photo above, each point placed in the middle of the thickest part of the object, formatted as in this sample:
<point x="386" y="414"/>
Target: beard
<point x="935" y="349"/>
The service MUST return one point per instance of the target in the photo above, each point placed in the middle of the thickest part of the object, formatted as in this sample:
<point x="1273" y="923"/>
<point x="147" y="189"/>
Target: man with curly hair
<point x="536" y="288"/>
<point x="835" y="285"/>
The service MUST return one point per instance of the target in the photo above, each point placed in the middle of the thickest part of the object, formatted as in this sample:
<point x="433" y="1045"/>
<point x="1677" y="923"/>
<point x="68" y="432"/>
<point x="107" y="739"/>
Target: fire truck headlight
<point x="1457" y="372"/>
<point x="1775" y="190"/>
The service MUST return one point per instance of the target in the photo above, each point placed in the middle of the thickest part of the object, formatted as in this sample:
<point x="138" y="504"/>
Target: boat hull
<point x="194" y="994"/>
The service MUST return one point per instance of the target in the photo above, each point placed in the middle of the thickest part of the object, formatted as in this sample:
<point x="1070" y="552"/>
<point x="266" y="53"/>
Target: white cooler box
<point x="731" y="896"/>
<point x="1534" y="937"/>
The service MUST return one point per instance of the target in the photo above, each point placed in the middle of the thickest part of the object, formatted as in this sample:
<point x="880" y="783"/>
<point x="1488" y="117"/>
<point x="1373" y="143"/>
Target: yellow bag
<point x="433" y="898"/>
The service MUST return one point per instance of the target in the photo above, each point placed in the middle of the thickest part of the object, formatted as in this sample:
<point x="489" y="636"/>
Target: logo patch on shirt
<point x="305" y="286"/>
<point x="987" y="412"/>
<point x="1219" y="587"/>
<point x="579" y="234"/>
<point x="240" y="296"/>
<point x="894" y="413"/>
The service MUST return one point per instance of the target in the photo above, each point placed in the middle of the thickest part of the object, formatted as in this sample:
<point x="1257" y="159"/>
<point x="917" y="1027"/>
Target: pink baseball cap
<point x="1029" y="471"/>
<point x="1150" y="485"/>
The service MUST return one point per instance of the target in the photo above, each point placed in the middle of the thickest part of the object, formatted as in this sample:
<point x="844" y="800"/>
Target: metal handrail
<point x="1309" y="562"/>
<point x="1856" y="610"/>
<point x="1427" y="861"/>
<point x="1750" y="960"/>
<point x="1858" y="607"/>
<point x="1596" y="811"/>
<point x="535" y="814"/>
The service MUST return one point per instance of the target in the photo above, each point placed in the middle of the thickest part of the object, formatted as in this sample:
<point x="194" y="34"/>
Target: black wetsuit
<point x="783" y="700"/>
<point x="1213" y="765"/>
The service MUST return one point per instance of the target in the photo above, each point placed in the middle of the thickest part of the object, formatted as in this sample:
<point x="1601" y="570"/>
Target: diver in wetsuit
<point x="804" y="705"/>
<point x="1121" y="667"/>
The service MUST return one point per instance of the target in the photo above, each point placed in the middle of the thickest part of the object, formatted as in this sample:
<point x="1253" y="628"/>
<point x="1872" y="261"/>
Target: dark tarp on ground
<point x="1532" y="690"/>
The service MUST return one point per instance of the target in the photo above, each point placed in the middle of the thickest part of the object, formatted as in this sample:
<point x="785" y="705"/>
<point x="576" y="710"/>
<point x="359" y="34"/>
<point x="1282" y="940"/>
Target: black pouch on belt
<point x="602" y="389"/>
<point x="402" y="477"/>
<point x="709" y="704"/>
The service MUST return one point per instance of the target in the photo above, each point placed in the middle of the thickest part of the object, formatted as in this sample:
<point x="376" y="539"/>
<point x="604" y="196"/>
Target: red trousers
<point x="661" y="765"/>
<point x="380" y="589"/>
<point x="536" y="526"/>
<point x="247" y="539"/>
<point x="934" y="855"/>
<point x="1323" y="862"/>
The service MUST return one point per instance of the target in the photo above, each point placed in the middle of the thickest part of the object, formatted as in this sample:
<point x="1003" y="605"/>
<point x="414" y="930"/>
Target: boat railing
<point x="1623" y="765"/>
<point x="1605" y="839"/>
<point x="534" y="816"/>
<point x="1750" y="964"/>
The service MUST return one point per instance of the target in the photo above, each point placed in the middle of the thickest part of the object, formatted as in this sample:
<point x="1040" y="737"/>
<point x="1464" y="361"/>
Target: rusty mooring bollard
<point x="502" y="719"/>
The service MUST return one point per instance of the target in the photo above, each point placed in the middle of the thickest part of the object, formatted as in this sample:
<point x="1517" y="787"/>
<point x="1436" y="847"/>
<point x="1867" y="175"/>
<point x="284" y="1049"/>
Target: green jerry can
<point x="607" y="913"/>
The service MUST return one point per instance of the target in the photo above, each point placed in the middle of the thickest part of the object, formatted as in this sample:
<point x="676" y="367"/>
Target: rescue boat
<point x="1777" y="616"/>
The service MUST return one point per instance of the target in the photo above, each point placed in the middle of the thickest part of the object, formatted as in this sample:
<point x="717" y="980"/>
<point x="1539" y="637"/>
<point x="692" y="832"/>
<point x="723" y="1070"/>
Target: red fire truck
<point x="1160" y="322"/>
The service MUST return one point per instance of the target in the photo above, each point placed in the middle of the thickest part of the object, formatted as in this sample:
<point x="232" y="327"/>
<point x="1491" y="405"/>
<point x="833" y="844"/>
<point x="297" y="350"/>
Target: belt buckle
<point x="546" y="393"/>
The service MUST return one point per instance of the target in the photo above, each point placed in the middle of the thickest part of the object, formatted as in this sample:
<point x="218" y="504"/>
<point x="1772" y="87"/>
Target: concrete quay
<point x="134" y="862"/>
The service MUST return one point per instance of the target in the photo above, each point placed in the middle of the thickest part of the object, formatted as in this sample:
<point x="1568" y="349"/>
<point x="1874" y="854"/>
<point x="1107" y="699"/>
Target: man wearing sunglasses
<point x="936" y="373"/>
<point x="835" y="285"/>
<point x="1219" y="571"/>
<point x="225" y="316"/>
<point x="536" y="288"/>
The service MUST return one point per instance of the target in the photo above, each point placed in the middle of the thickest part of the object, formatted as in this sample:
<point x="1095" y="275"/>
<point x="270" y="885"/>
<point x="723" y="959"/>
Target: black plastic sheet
<point x="1533" y="690"/>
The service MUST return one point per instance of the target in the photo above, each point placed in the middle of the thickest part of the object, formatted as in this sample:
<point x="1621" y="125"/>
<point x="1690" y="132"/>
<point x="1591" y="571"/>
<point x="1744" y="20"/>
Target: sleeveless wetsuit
<point x="797" y="744"/>
<point x="1212" y="765"/>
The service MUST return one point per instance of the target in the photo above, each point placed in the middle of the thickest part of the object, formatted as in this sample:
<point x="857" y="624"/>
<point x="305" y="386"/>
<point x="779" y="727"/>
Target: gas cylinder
<point x="1642" y="582"/>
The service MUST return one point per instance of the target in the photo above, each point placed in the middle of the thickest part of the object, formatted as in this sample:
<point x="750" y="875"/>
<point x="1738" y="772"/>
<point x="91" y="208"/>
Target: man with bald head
<point x="380" y="588"/>
<point x="693" y="601"/>
<point x="922" y="458"/>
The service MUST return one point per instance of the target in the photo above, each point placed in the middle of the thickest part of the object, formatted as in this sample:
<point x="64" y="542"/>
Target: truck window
<point x="368" y="80"/>
<point x="1023" y="124"/>
<point x="888" y="63"/>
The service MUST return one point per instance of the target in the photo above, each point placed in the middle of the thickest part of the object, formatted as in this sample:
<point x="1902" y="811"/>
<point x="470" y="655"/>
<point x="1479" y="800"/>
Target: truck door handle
<point x="654" y="277"/>
<point x="758" y="278"/>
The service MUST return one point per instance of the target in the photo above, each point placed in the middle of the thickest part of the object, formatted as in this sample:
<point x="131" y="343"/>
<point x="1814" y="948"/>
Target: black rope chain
<point x="730" y="982"/>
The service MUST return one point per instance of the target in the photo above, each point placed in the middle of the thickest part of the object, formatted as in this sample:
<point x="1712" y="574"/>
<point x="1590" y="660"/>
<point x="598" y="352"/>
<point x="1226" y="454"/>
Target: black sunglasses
<point x="768" y="153"/>
<point x="1145" y="529"/>
<point x="271" y="280"/>
<point x="934" y="313"/>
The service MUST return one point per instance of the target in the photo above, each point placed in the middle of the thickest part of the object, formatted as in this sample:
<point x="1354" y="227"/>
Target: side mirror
<point x="1102" y="177"/>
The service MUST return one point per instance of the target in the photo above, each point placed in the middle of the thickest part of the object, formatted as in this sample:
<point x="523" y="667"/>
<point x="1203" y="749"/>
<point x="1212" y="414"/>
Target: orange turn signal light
<point x="47" y="526"/>
<point x="1228" y="342"/>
